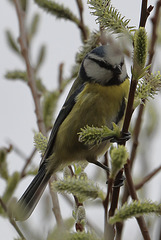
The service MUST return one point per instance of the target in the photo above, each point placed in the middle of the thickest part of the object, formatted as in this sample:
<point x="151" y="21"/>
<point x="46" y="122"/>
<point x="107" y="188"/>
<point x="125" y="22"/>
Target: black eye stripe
<point x="102" y="64"/>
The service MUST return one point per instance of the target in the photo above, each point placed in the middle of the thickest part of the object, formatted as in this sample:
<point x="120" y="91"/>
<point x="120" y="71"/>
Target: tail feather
<point x="31" y="196"/>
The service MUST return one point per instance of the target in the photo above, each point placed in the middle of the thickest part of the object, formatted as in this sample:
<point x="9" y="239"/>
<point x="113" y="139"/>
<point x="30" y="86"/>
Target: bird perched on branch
<point x="97" y="98"/>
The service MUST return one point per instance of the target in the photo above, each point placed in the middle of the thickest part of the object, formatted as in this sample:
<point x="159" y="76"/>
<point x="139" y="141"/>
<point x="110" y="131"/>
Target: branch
<point x="12" y="221"/>
<point x="78" y="226"/>
<point x="154" y="35"/>
<point x="55" y="201"/>
<point x="133" y="194"/>
<point x="30" y="71"/>
<point x="27" y="162"/>
<point x="60" y="77"/>
<point x="136" y="135"/>
<point x="128" y="115"/>
<point x="32" y="83"/>
<point x="145" y="12"/>
<point x="141" y="108"/>
<point x="81" y="23"/>
<point x="147" y="178"/>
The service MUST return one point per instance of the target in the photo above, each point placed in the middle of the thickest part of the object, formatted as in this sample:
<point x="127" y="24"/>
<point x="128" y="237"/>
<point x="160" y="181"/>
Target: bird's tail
<point x="31" y="196"/>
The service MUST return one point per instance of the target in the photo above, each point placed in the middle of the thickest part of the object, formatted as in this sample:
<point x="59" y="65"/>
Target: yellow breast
<point x="95" y="106"/>
<point x="101" y="102"/>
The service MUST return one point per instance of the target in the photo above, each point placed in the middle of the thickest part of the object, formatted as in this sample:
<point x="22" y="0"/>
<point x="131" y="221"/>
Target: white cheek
<point x="124" y="73"/>
<point x="97" y="73"/>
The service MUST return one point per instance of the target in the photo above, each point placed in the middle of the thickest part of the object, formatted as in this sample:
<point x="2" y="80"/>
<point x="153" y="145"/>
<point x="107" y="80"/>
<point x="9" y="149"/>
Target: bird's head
<point x="104" y="65"/>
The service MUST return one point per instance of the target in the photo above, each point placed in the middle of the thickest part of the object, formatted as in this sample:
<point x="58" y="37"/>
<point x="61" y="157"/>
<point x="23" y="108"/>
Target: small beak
<point x="117" y="69"/>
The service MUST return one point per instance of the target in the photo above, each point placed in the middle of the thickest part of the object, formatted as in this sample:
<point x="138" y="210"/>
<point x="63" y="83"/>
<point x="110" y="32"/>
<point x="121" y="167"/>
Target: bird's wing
<point x="67" y="107"/>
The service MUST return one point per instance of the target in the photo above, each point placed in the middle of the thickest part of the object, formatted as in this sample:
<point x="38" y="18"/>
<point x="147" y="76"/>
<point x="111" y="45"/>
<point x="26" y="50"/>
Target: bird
<point x="97" y="98"/>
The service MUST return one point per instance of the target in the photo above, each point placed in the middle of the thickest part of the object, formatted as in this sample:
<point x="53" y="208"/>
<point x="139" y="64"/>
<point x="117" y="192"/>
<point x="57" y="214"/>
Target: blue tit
<point x="97" y="98"/>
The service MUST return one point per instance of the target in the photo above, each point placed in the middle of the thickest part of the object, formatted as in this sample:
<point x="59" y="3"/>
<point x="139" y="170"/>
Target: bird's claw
<point x="124" y="137"/>
<point x="119" y="182"/>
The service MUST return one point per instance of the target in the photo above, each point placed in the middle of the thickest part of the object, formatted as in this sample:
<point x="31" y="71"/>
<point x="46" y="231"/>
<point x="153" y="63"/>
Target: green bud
<point x="81" y="214"/>
<point x="135" y="209"/>
<point x="3" y="164"/>
<point x="66" y="172"/>
<point x="140" y="47"/>
<point x="118" y="159"/>
<point x="40" y="142"/>
<point x="83" y="176"/>
<point x="12" y="183"/>
<point x="140" y="52"/>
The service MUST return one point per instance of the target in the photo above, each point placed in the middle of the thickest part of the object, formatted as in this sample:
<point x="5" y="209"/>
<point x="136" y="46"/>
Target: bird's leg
<point x="99" y="164"/>
<point x="119" y="182"/>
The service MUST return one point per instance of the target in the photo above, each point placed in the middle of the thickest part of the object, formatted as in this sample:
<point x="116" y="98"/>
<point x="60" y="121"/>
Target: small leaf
<point x="11" y="186"/>
<point x="3" y="164"/>
<point x="40" y="86"/>
<point x="12" y="43"/>
<point x="49" y="105"/>
<point x="16" y="75"/>
<point x="41" y="57"/>
<point x="34" y="26"/>
<point x="57" y="10"/>
<point x="24" y="5"/>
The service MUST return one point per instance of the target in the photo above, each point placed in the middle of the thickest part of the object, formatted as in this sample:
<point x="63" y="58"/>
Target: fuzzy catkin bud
<point x="40" y="142"/>
<point x="118" y="159"/>
<point x="67" y="172"/>
<point x="140" y="53"/>
<point x="135" y="209"/>
<point x="140" y="47"/>
<point x="81" y="214"/>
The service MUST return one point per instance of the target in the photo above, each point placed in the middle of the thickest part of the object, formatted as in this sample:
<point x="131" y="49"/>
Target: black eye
<point x="122" y="63"/>
<point x="103" y="64"/>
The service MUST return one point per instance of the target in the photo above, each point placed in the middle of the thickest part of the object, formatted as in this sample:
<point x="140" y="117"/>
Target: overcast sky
<point x="17" y="121"/>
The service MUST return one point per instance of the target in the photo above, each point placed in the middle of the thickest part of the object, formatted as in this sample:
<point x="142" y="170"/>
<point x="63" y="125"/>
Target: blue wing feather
<point x="31" y="196"/>
<point x="67" y="107"/>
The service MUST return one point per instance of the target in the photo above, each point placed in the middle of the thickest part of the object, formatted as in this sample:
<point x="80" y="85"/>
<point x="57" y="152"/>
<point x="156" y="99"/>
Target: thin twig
<point x="145" y="12"/>
<point x="27" y="162"/>
<point x="55" y="201"/>
<point x="154" y="35"/>
<point x="133" y="194"/>
<point x="108" y="229"/>
<point x="79" y="226"/>
<point x="106" y="201"/>
<point x="89" y="223"/>
<point x="32" y="82"/>
<point x="60" y="77"/>
<point x="136" y="134"/>
<point x="17" y="150"/>
<point x="30" y="70"/>
<point x="81" y="23"/>
<point x="128" y="115"/>
<point x="147" y="178"/>
<point x="12" y="221"/>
